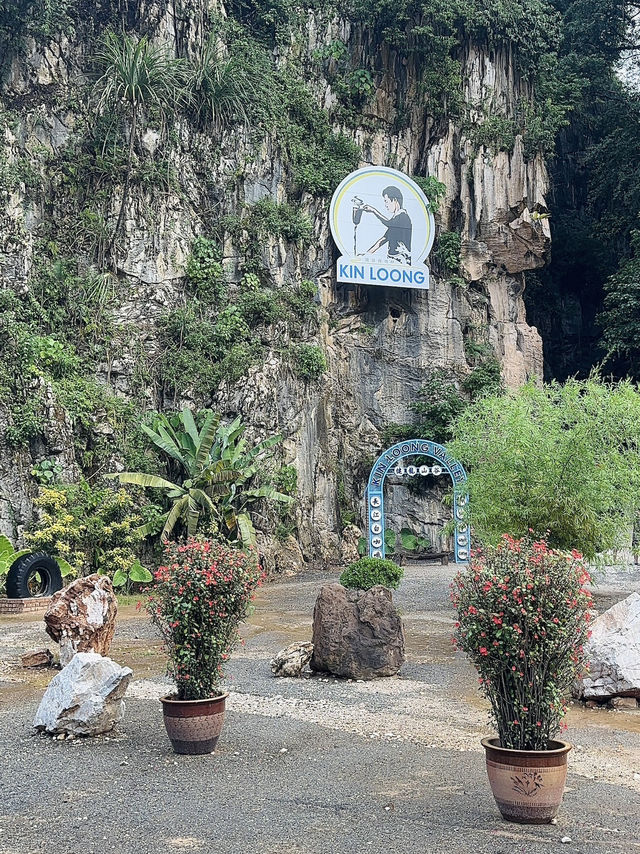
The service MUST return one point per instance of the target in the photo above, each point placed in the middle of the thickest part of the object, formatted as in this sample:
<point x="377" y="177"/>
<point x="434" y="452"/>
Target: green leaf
<point x="152" y="527"/>
<point x="174" y="514"/>
<point x="408" y="539"/>
<point x="164" y="441"/>
<point x="140" y="573"/>
<point x="140" y="479"/>
<point x="206" y="438"/>
<point x="119" y="578"/>
<point x="5" y="547"/>
<point x="190" y="425"/>
<point x="389" y="540"/>
<point x="14" y="557"/>
<point x="246" y="529"/>
<point x="65" y="567"/>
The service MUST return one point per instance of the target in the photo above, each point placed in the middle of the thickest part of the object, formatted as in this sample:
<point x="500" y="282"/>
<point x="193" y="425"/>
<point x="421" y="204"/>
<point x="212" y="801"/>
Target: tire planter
<point x="34" y="575"/>
<point x="193" y="726"/>
<point x="527" y="784"/>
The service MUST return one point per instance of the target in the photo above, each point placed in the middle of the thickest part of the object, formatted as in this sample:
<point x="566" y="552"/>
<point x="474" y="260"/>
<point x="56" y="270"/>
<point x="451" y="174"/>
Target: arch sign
<point x="382" y="224"/>
<point x="392" y="460"/>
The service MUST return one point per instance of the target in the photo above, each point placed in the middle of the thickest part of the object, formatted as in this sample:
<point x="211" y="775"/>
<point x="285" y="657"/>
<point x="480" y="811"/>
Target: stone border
<point x="24" y="606"/>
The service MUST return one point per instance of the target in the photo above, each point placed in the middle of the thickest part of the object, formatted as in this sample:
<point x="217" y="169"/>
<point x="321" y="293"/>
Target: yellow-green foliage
<point x="93" y="529"/>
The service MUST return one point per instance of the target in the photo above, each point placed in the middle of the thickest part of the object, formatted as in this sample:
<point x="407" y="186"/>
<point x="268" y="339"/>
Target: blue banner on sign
<point x="354" y="271"/>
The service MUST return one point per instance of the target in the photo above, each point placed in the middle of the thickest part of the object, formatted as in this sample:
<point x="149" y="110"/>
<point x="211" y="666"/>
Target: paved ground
<point x="312" y="765"/>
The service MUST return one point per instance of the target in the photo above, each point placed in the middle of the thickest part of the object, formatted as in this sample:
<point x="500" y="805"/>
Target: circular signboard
<point x="383" y="226"/>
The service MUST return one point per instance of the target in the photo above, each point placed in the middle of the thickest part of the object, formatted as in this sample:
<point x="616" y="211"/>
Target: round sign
<point x="383" y="216"/>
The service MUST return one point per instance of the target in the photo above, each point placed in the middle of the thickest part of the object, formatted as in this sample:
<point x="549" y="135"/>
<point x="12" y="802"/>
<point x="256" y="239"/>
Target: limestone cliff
<point x="379" y="343"/>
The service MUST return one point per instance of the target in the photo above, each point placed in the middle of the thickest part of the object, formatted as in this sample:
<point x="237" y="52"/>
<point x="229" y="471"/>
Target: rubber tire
<point x="22" y="570"/>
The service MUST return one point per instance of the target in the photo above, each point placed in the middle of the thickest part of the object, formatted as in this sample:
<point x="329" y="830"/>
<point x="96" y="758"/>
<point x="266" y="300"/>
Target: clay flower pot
<point x="194" y="725"/>
<point x="527" y="784"/>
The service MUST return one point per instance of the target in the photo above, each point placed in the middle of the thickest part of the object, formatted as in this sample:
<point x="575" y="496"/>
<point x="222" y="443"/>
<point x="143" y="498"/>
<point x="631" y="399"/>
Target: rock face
<point x="292" y="660"/>
<point x="349" y="544"/>
<point x="85" y="698"/>
<point x="357" y="633"/>
<point x="613" y="652"/>
<point x="82" y="617"/>
<point x="380" y="343"/>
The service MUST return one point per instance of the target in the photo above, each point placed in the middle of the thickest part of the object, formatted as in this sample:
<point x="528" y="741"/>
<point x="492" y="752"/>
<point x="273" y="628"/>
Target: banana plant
<point x="211" y="467"/>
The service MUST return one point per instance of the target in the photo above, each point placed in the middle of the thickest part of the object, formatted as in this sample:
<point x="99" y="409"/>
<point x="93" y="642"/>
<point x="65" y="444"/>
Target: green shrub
<point x="260" y="308"/>
<point x="448" y="251"/>
<point x="204" y="271"/>
<point x="369" y="571"/>
<point x="433" y="189"/>
<point x="94" y="529"/>
<point x="308" y="361"/>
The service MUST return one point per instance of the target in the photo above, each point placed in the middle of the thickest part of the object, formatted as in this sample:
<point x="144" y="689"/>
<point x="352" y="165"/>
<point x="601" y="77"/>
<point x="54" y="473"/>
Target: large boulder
<point x="82" y="617"/>
<point x="85" y="698"/>
<point x="357" y="633"/>
<point x="613" y="652"/>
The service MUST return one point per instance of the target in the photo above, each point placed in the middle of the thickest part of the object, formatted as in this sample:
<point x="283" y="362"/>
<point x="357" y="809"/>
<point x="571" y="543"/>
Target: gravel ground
<point x="310" y="765"/>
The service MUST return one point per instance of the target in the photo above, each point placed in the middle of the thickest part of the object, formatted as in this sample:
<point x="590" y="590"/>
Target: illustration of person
<point x="399" y="227"/>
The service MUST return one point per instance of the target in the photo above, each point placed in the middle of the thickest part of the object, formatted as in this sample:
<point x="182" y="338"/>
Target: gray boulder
<point x="85" y="698"/>
<point x="613" y="652"/>
<point x="292" y="660"/>
<point x="357" y="633"/>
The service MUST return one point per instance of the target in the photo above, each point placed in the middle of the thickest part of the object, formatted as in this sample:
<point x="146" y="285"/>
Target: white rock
<point x="85" y="698"/>
<point x="613" y="652"/>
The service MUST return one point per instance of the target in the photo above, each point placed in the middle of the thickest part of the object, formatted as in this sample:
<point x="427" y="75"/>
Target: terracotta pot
<point x="193" y="725"/>
<point x="527" y="784"/>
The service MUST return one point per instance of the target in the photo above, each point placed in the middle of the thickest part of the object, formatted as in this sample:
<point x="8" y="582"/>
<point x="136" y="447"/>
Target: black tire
<point x="33" y="576"/>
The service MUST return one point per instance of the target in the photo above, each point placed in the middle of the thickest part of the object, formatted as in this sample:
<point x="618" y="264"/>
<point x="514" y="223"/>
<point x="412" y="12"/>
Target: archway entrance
<point x="389" y="460"/>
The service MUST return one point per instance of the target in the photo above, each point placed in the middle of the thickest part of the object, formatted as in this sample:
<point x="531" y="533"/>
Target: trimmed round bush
<point x="369" y="571"/>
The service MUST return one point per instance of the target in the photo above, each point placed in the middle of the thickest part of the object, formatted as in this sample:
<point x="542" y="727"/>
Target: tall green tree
<point x="560" y="460"/>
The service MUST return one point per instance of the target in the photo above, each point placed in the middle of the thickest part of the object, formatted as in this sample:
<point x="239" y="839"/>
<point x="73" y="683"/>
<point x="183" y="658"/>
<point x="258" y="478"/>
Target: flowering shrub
<point x="523" y="618"/>
<point x="200" y="596"/>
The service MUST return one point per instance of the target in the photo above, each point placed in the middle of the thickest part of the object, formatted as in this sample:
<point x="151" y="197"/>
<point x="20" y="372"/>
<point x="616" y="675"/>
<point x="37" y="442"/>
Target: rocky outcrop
<point x="349" y="544"/>
<point x="380" y="343"/>
<point x="357" y="633"/>
<point x="292" y="660"/>
<point x="613" y="653"/>
<point x="85" y="698"/>
<point x="82" y="617"/>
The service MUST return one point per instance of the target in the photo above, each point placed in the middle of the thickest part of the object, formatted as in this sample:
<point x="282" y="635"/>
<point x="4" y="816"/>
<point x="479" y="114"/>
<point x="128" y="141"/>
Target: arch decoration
<point x="390" y="460"/>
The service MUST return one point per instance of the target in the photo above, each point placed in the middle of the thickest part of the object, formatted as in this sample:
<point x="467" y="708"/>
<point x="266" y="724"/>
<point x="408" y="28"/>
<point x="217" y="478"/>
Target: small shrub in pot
<point x="523" y="619"/>
<point x="201" y="594"/>
<point x="369" y="571"/>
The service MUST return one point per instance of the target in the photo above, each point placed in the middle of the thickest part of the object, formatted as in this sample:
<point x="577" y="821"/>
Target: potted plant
<point x="201" y="594"/>
<point x="523" y="618"/>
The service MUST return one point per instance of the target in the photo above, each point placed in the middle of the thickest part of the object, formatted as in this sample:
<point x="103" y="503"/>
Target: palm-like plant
<point x="219" y="86"/>
<point x="135" y="76"/>
<point x="213" y="464"/>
